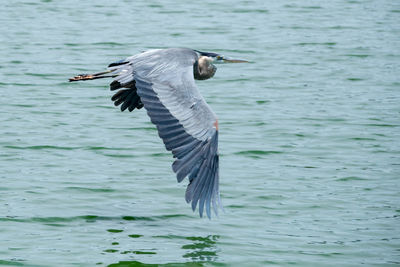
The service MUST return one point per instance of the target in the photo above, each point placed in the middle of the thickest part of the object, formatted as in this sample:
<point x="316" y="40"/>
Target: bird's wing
<point x="185" y="122"/>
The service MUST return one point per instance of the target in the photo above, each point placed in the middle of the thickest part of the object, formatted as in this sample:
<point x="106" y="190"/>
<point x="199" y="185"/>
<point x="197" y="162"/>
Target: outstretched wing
<point x="188" y="127"/>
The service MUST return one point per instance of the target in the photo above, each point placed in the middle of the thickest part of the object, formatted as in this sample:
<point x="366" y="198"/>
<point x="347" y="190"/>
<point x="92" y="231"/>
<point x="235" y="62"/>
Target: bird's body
<point x="162" y="80"/>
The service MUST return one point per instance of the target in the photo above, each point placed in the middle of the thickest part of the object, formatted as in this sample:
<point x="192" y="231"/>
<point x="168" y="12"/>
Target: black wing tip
<point x="114" y="85"/>
<point x="128" y="98"/>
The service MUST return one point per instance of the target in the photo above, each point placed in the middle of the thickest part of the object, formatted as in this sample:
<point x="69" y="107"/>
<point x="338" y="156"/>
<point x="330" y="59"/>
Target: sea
<point x="309" y="135"/>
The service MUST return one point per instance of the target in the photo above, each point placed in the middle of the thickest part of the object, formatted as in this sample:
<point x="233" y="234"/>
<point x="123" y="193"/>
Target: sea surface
<point x="309" y="135"/>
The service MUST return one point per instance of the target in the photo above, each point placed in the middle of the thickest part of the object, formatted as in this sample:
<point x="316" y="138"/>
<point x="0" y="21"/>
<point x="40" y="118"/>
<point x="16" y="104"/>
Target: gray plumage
<point x="162" y="80"/>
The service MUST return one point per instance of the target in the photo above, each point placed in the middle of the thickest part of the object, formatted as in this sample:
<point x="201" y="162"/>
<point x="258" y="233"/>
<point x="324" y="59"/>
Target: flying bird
<point x="162" y="81"/>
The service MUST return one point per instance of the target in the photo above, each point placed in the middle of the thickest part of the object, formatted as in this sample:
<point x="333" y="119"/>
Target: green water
<point x="309" y="135"/>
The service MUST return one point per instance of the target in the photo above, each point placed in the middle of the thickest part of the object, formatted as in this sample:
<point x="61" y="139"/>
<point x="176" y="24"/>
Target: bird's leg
<point x="84" y="77"/>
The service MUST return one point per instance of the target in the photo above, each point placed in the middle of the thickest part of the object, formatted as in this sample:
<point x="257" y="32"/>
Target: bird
<point x="163" y="82"/>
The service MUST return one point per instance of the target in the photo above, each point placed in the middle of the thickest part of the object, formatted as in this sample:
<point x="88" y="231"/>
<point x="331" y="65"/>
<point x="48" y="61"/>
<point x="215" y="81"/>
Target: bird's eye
<point x="219" y="57"/>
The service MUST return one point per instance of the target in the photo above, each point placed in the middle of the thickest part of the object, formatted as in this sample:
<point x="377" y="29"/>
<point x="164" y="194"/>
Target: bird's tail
<point x="85" y="77"/>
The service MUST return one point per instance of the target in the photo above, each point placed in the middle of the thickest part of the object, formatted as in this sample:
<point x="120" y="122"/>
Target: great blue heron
<point x="162" y="80"/>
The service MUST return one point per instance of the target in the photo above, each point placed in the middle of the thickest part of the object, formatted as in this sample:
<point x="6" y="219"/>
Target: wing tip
<point x="203" y="189"/>
<point x="214" y="201"/>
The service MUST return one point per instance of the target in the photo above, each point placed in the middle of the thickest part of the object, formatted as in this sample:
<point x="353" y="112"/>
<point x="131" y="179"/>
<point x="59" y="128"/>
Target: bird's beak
<point x="229" y="60"/>
<point x="221" y="59"/>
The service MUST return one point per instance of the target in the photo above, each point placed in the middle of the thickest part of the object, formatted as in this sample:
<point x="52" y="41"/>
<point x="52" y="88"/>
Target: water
<point x="309" y="136"/>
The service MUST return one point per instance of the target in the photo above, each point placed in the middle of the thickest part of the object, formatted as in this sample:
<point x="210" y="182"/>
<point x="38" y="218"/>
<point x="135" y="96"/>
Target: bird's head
<point x="204" y="68"/>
